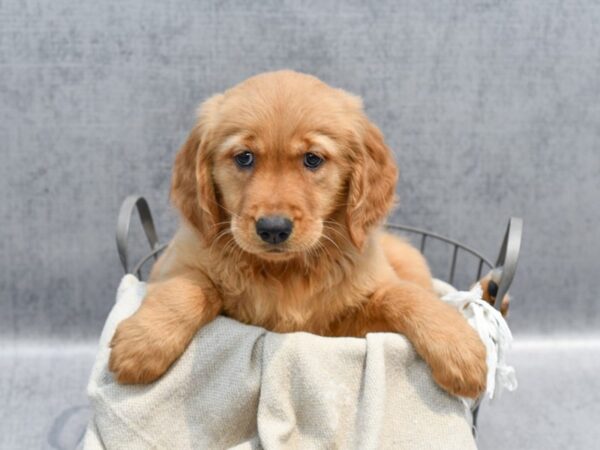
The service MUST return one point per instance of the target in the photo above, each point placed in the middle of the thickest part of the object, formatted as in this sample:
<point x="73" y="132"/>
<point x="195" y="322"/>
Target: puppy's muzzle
<point x="274" y="229"/>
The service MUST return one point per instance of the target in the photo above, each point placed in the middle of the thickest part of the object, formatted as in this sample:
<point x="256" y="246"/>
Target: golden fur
<point x="336" y="275"/>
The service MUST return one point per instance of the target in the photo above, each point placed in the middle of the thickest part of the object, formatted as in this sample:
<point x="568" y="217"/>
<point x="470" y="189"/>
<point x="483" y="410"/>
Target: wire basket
<point x="503" y="270"/>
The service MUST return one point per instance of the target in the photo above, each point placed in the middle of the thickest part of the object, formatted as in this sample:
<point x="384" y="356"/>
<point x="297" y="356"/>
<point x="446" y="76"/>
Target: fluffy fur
<point x="337" y="274"/>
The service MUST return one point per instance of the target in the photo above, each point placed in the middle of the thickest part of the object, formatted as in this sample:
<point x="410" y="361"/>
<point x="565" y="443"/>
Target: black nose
<point x="274" y="229"/>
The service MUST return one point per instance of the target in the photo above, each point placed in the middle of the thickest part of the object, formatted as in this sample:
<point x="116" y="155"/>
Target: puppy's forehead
<point x="287" y="109"/>
<point x="310" y="141"/>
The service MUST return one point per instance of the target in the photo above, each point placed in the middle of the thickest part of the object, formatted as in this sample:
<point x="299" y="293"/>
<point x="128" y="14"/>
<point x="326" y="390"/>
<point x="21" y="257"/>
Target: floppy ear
<point x="372" y="185"/>
<point x="192" y="187"/>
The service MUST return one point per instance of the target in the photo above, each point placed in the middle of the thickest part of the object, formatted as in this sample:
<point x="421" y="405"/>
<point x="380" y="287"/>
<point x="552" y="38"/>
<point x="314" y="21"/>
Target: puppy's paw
<point x="459" y="366"/>
<point x="137" y="354"/>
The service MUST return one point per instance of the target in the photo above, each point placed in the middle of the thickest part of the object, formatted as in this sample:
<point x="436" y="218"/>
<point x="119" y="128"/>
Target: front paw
<point x="137" y="355"/>
<point x="459" y="365"/>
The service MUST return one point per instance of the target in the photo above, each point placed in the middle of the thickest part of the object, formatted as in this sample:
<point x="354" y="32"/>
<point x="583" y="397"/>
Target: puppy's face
<point x="279" y="190"/>
<point x="277" y="160"/>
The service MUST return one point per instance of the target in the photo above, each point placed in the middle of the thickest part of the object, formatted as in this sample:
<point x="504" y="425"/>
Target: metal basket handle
<point x="506" y="264"/>
<point x="124" y="222"/>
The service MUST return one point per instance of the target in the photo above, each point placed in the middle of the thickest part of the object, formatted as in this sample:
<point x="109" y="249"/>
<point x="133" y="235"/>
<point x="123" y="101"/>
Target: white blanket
<point x="239" y="386"/>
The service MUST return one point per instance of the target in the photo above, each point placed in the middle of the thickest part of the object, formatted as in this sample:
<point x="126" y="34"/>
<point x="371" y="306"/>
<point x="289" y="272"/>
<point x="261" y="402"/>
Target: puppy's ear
<point x="192" y="187"/>
<point x="372" y="185"/>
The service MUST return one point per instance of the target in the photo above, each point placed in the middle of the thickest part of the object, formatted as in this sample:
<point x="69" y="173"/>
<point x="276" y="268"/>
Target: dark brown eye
<point x="244" y="160"/>
<point x="312" y="161"/>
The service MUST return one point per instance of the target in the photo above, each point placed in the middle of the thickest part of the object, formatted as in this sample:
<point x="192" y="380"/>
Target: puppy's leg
<point x="147" y="343"/>
<point x="407" y="261"/>
<point x="440" y="335"/>
<point x="410" y="265"/>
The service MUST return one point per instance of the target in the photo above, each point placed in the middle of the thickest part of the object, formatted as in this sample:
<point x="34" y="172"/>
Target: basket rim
<point x="158" y="248"/>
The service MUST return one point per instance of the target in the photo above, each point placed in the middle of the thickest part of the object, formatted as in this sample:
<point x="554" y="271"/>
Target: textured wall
<point x="492" y="107"/>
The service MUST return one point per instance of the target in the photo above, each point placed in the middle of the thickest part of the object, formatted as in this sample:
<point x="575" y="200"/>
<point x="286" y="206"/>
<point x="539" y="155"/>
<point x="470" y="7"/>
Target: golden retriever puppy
<point x="282" y="185"/>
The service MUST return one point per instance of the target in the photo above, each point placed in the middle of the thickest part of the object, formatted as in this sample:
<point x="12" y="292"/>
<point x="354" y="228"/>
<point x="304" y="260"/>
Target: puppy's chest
<point x="293" y="304"/>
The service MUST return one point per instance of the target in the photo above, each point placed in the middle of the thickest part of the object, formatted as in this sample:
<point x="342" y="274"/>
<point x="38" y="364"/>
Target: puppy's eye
<point x="245" y="160"/>
<point x="312" y="161"/>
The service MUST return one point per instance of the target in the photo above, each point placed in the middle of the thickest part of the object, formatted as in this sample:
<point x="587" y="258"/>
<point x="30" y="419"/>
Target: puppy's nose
<point x="274" y="229"/>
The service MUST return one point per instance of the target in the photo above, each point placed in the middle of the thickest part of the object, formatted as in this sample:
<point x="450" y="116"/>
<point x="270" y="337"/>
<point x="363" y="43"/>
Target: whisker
<point x="227" y="210"/>
<point x="338" y="233"/>
<point x="228" y="245"/>
<point x="333" y="242"/>
<point x="218" y="237"/>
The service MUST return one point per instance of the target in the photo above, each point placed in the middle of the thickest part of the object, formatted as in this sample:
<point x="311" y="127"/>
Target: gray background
<point x="492" y="108"/>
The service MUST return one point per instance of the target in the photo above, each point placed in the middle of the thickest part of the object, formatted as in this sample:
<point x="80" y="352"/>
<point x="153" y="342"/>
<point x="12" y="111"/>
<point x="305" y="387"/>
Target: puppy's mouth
<point x="272" y="253"/>
<point x="276" y="254"/>
<point x="292" y="247"/>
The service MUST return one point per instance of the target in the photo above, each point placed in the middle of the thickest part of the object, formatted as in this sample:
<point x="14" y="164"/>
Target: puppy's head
<point x="285" y="164"/>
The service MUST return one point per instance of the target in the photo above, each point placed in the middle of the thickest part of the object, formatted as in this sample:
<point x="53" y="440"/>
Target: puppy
<point x="282" y="185"/>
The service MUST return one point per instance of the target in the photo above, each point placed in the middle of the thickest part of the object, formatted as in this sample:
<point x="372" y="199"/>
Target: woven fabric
<point x="239" y="386"/>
